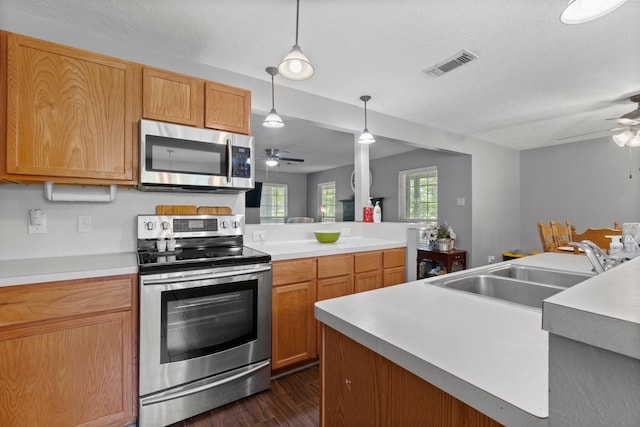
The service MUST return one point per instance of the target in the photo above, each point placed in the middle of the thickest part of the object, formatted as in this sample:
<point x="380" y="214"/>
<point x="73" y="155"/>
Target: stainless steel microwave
<point x="183" y="158"/>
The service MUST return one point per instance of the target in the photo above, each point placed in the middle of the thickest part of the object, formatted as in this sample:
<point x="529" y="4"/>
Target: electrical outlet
<point x="491" y="259"/>
<point x="40" y="226"/>
<point x="346" y="231"/>
<point x="259" y="236"/>
<point x="84" y="224"/>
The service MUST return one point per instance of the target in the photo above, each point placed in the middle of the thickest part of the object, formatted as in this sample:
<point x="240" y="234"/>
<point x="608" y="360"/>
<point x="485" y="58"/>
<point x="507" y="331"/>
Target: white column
<point x="361" y="167"/>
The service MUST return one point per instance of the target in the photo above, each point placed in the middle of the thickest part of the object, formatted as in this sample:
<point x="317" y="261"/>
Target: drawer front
<point x="293" y="271"/>
<point x="367" y="261"/>
<point x="458" y="257"/>
<point x="57" y="300"/>
<point x="334" y="265"/>
<point x="393" y="258"/>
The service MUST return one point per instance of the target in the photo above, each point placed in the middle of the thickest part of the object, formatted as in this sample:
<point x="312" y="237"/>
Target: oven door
<point x="201" y="323"/>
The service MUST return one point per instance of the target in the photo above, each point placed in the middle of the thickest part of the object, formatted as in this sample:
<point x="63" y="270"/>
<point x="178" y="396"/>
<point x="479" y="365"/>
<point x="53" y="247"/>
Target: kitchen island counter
<point x="53" y="269"/>
<point x="489" y="354"/>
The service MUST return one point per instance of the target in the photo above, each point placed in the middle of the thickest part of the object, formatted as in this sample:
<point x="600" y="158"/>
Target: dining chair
<point x="597" y="236"/>
<point x="562" y="234"/>
<point x="546" y="237"/>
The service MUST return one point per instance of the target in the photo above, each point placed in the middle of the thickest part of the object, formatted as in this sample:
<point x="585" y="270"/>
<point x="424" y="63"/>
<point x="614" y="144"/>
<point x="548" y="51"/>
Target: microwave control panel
<point x="241" y="162"/>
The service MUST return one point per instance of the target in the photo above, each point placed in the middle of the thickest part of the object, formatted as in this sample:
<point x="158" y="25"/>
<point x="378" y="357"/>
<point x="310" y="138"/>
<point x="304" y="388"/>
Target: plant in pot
<point x="445" y="237"/>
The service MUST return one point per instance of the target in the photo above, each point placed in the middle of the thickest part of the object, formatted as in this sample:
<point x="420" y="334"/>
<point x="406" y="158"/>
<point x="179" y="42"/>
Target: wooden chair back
<point x="562" y="234"/>
<point x="546" y="237"/>
<point x="597" y="236"/>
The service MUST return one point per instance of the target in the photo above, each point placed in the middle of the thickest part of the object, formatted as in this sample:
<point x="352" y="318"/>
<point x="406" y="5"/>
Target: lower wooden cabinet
<point x="299" y="283"/>
<point x="68" y="353"/>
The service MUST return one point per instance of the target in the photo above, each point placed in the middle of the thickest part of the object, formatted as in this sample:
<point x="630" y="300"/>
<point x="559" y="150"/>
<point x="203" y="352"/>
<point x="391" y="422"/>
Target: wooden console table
<point x="453" y="260"/>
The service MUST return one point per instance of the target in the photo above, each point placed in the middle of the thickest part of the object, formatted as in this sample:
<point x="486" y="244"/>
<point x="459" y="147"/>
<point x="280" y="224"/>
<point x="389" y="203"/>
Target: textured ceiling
<point x="535" y="81"/>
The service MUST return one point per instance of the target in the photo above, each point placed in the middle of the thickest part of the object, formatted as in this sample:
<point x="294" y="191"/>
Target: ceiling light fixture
<point x="579" y="11"/>
<point x="271" y="162"/>
<point x="622" y="138"/>
<point x="273" y="120"/>
<point x="365" y="136"/>
<point x="296" y="66"/>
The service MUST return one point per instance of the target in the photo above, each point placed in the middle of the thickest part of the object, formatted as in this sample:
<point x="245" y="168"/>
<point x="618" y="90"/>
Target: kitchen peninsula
<point x="488" y="355"/>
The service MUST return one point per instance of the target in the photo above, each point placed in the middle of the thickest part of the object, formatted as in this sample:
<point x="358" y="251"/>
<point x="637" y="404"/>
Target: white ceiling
<point x="536" y="80"/>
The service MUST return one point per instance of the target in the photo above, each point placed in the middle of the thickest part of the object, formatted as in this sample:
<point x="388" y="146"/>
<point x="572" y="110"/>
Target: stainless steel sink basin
<point x="541" y="275"/>
<point x="502" y="288"/>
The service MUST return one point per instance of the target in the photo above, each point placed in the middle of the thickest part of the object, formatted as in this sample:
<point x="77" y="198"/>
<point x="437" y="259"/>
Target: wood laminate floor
<point x="292" y="401"/>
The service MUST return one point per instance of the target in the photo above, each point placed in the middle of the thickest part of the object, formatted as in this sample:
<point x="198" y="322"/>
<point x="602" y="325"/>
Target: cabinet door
<point x="293" y="271"/>
<point x="69" y="114"/>
<point x="367" y="261"/>
<point x="393" y="276"/>
<point x="393" y="258"/>
<point x="293" y="324"/>
<point x="367" y="281"/>
<point x="227" y="108"/>
<point x="334" y="287"/>
<point x="334" y="265"/>
<point x="171" y="97"/>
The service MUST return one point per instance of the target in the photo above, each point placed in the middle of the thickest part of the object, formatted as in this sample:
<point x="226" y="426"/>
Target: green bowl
<point x="327" y="236"/>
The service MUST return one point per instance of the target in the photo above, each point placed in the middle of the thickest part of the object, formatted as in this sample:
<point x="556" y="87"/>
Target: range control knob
<point x="165" y="225"/>
<point x="235" y="224"/>
<point x="224" y="224"/>
<point x="150" y="225"/>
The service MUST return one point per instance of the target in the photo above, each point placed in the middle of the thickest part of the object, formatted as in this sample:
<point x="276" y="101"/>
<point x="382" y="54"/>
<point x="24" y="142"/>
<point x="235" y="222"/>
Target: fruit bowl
<point x="327" y="236"/>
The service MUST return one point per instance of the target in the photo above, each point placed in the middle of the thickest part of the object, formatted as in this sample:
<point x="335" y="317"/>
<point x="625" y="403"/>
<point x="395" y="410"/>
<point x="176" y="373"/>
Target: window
<point x="273" y="208"/>
<point x="418" y="189"/>
<point x="327" y="192"/>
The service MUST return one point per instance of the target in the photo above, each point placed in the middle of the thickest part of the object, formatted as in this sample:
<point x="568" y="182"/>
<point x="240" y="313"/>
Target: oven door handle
<point x="204" y="276"/>
<point x="168" y="395"/>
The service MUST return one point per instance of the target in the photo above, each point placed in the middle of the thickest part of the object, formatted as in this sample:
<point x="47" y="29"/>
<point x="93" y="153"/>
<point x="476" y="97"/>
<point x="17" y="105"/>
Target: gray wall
<point x="454" y="181"/>
<point x="586" y="183"/>
<point x="296" y="188"/>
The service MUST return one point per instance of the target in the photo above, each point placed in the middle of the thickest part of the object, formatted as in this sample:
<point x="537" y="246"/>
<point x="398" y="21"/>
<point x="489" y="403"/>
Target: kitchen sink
<point x="544" y="276"/>
<point x="503" y="288"/>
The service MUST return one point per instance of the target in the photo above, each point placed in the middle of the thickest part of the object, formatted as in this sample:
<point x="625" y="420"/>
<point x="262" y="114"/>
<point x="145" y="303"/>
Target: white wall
<point x="586" y="183"/>
<point x="495" y="169"/>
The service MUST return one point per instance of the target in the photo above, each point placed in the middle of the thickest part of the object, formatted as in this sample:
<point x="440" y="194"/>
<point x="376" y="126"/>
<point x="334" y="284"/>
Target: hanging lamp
<point x="365" y="136"/>
<point x="273" y="120"/>
<point x="296" y="66"/>
<point x="579" y="11"/>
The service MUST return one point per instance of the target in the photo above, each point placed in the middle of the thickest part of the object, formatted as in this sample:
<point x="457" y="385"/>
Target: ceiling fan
<point x="274" y="156"/>
<point x="628" y="130"/>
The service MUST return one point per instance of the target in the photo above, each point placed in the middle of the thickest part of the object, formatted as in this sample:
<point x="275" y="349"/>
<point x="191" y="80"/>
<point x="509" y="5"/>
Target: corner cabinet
<point x="70" y="114"/>
<point x="68" y="353"/>
<point x="177" y="98"/>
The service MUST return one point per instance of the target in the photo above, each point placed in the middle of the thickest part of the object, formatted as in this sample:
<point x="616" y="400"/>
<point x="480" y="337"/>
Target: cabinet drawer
<point x="458" y="257"/>
<point x="294" y="271"/>
<point x="367" y="261"/>
<point x="56" y="300"/>
<point x="334" y="265"/>
<point x="393" y="258"/>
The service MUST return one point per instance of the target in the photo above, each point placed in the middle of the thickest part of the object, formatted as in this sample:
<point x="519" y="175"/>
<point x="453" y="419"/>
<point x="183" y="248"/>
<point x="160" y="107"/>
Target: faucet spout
<point x="591" y="254"/>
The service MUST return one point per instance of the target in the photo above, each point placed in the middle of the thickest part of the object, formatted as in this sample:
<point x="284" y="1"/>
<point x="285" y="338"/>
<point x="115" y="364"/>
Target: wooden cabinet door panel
<point x="68" y="373"/>
<point x="393" y="276"/>
<point x="172" y="97"/>
<point x="227" y="108"/>
<point x="393" y="258"/>
<point x="334" y="265"/>
<point x="367" y="261"/>
<point x="293" y="324"/>
<point x="293" y="271"/>
<point x="367" y="281"/>
<point x="334" y="287"/>
<point x="69" y="112"/>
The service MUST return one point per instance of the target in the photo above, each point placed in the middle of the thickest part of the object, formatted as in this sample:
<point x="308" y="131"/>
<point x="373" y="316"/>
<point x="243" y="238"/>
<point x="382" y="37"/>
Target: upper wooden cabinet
<point x="70" y="114"/>
<point x="177" y="98"/>
<point x="171" y="97"/>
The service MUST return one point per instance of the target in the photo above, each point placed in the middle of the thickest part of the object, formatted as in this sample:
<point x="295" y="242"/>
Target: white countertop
<point x="487" y="353"/>
<point x="603" y="311"/>
<point x="38" y="270"/>
<point x="291" y="249"/>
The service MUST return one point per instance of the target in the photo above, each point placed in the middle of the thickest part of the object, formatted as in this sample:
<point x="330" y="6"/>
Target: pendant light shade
<point x="296" y="66"/>
<point x="365" y="136"/>
<point x="579" y="11"/>
<point x="273" y="120"/>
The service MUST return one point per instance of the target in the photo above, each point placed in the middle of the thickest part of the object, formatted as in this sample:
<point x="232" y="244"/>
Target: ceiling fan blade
<point x="290" y="159"/>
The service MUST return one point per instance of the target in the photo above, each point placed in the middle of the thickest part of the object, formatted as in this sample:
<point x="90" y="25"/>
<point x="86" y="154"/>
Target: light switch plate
<point x="84" y="224"/>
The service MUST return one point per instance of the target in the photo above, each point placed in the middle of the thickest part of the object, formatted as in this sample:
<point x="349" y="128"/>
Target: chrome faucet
<point x="600" y="261"/>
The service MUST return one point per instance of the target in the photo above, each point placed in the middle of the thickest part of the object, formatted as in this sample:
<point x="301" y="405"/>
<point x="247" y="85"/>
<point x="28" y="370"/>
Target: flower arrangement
<point x="440" y="231"/>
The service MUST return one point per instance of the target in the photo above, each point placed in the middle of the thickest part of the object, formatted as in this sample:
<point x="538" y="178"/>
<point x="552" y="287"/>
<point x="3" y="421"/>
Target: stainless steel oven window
<point x="165" y="154"/>
<point x="202" y="321"/>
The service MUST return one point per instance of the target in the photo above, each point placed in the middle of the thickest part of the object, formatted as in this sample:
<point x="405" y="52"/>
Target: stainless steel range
<point x="205" y="316"/>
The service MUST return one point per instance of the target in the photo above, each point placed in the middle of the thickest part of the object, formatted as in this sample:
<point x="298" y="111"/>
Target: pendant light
<point x="273" y="120"/>
<point x="365" y="136"/>
<point x="296" y="66"/>
<point x="579" y="11"/>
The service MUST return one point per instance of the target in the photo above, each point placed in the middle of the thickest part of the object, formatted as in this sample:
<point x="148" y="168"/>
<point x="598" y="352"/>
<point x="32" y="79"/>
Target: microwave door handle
<point x="229" y="160"/>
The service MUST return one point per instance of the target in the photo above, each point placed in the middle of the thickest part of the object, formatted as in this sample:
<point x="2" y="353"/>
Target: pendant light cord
<point x="365" y="115"/>
<point x="273" y="103"/>
<point x="297" y="18"/>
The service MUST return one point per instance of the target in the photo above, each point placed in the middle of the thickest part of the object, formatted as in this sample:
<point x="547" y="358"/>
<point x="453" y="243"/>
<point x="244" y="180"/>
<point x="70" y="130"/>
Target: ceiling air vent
<point x="460" y="58"/>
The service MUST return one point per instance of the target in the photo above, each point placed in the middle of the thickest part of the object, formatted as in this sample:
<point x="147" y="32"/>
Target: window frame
<point x="326" y="217"/>
<point x="402" y="202"/>
<point x="267" y="203"/>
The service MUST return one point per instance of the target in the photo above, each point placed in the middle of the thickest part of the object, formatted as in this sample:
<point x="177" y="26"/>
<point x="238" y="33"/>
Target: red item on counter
<point x="367" y="214"/>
